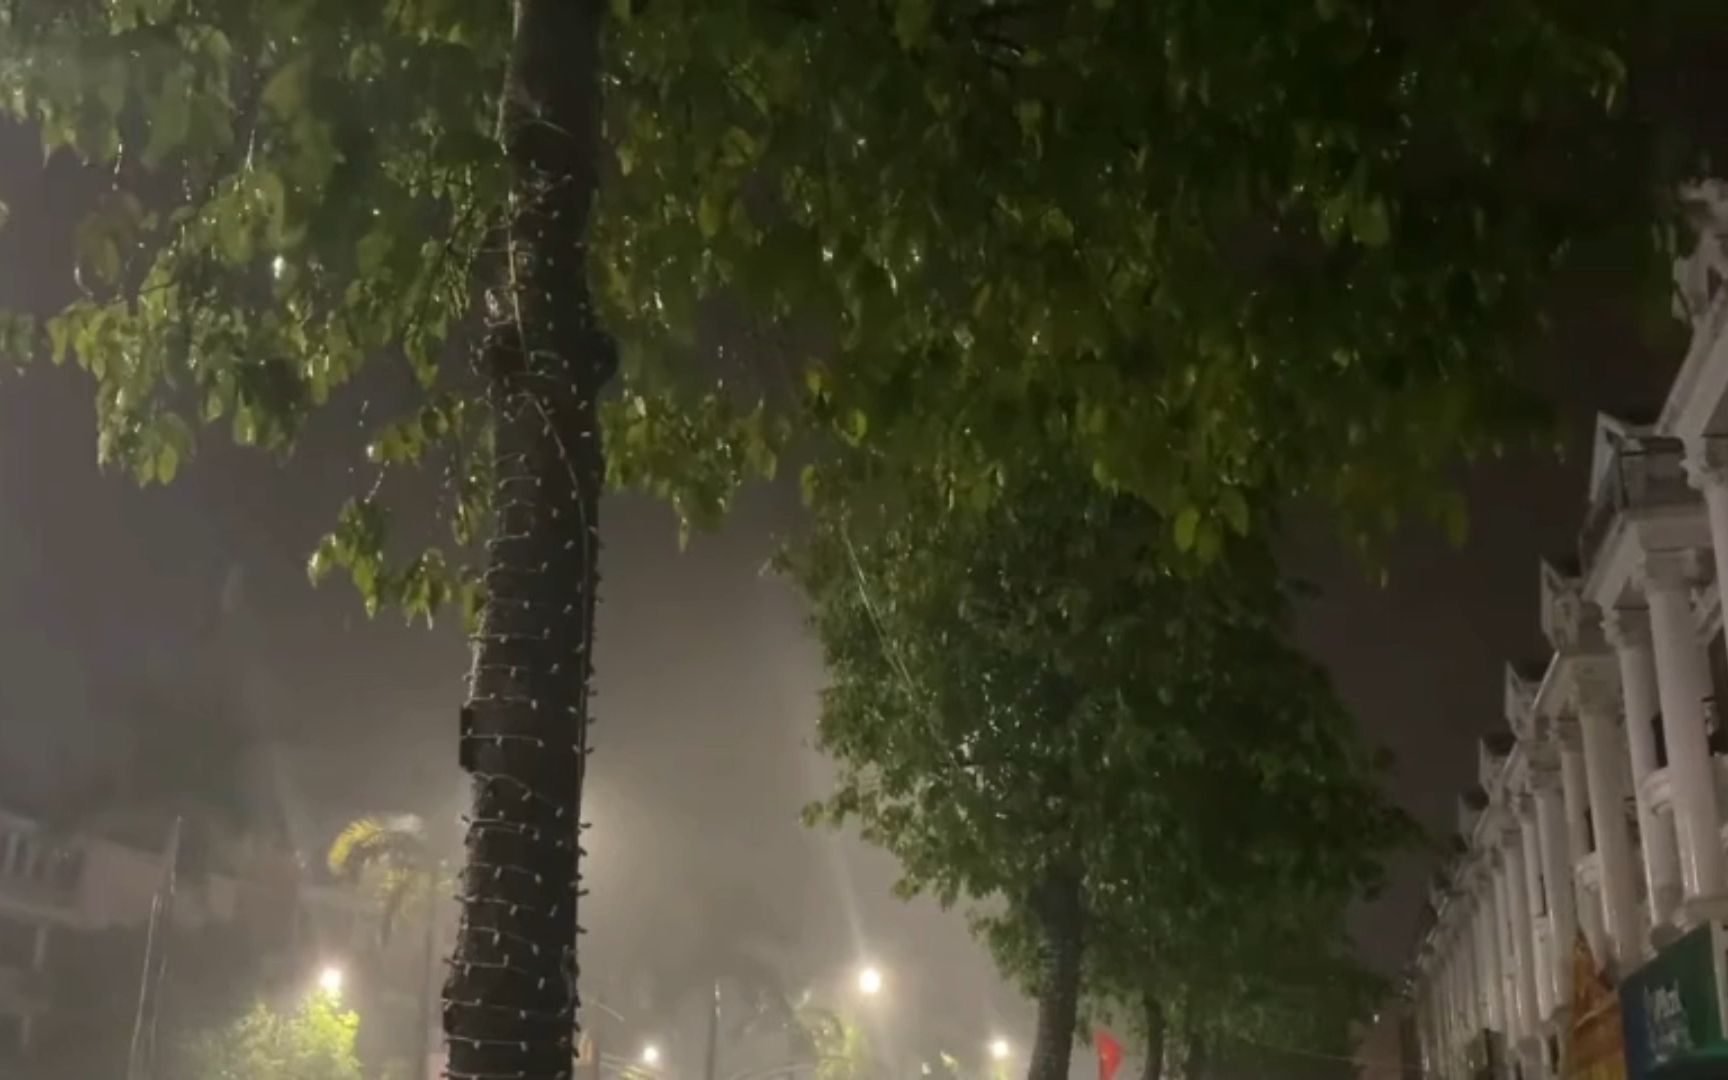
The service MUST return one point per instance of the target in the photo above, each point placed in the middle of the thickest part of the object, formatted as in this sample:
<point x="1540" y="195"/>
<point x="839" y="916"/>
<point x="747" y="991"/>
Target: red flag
<point x="1109" y="1054"/>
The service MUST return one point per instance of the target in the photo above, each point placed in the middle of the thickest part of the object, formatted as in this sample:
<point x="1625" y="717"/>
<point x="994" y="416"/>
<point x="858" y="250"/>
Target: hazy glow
<point x="999" y="1049"/>
<point x="650" y="1054"/>
<point x="330" y="980"/>
<point x="869" y="982"/>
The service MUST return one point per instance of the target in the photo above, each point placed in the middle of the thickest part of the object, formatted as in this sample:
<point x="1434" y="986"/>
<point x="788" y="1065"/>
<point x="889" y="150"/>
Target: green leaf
<point x="912" y="22"/>
<point x="1186" y="528"/>
<point x="1369" y="223"/>
<point x="287" y="91"/>
<point x="170" y="117"/>
<point x="167" y="463"/>
<point x="1235" y="507"/>
<point x="710" y="214"/>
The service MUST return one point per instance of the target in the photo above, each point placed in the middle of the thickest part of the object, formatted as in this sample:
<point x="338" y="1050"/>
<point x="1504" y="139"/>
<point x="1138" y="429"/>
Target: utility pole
<point x="140" y="1059"/>
<point x="711" y="1066"/>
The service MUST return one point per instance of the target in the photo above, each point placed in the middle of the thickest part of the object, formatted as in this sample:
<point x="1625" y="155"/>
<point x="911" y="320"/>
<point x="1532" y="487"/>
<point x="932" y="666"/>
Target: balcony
<point x="40" y="877"/>
<point x="1492" y="750"/>
<point x="1642" y="472"/>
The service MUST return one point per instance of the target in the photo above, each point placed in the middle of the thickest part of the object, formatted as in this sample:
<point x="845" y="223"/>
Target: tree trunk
<point x="1155" y="1025"/>
<point x="1199" y="1063"/>
<point x="510" y="1001"/>
<point x="1061" y="916"/>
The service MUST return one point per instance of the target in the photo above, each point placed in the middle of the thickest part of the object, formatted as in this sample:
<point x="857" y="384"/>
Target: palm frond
<point x="391" y="854"/>
<point x="372" y="841"/>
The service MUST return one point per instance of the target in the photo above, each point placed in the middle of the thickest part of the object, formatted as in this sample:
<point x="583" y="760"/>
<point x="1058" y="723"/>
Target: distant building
<point x="59" y="891"/>
<point x="1578" y="930"/>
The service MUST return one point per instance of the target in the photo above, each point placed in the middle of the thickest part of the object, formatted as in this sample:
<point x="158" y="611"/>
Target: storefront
<point x="1595" y="1047"/>
<point x="1672" y="1010"/>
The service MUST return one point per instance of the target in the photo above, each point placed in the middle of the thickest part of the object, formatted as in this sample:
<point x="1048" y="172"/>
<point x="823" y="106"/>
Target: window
<point x="67" y="868"/>
<point x="1717" y="659"/>
<point x="1714" y="736"/>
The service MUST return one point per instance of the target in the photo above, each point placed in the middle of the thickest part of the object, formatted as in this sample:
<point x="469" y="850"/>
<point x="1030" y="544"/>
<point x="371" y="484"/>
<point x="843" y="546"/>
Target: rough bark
<point x="1060" y="908"/>
<point x="1153" y="1017"/>
<point x="510" y="1000"/>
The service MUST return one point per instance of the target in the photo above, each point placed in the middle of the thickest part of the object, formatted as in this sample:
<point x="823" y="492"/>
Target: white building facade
<point x="1599" y="816"/>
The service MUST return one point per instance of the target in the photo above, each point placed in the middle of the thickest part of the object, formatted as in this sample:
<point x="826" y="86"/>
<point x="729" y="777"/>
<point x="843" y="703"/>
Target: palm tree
<point x="391" y="856"/>
<point x="836" y="1045"/>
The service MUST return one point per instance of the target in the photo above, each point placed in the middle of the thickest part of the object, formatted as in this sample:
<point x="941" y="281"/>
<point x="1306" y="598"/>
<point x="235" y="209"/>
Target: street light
<point x="330" y="980"/>
<point x="999" y="1049"/>
<point x="869" y="982"/>
<point x="650" y="1055"/>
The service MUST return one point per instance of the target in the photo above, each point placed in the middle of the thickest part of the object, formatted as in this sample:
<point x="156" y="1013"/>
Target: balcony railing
<point x="49" y="877"/>
<point x="38" y="892"/>
<point x="1645" y="473"/>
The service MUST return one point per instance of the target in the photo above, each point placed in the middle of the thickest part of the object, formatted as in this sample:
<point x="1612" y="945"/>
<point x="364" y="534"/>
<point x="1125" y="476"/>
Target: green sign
<point x="1671" y="1008"/>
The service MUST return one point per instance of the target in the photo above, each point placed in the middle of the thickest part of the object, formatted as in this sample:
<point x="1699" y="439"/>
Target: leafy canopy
<point x="1217" y="249"/>
<point x="302" y="196"/>
<point x="315" y="1042"/>
<point x="1034" y="683"/>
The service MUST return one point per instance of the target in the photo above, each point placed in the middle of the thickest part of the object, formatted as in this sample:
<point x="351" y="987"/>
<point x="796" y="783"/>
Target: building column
<point x="1488" y="951"/>
<point x="1628" y="630"/>
<point x="1576" y="792"/>
<point x="1512" y="1021"/>
<point x="1523" y="930"/>
<point x="1448" y="1003"/>
<point x="1430" y="1027"/>
<point x="1535" y="890"/>
<point x="1468" y="961"/>
<point x="1557" y="876"/>
<point x="1709" y="474"/>
<point x="1596" y="699"/>
<point x="1683" y="683"/>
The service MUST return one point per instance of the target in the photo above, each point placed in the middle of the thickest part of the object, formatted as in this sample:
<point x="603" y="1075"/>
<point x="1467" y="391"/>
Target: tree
<point x="315" y="1042"/>
<point x="301" y="190"/>
<point x="1232" y="932"/>
<point x="391" y="857"/>
<point x="1030" y="707"/>
<point x="835" y="1044"/>
<point x="1215" y="249"/>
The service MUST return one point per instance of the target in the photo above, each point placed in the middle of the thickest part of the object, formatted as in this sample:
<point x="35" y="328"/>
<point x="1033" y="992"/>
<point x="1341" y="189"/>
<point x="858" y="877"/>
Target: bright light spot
<point x="650" y="1054"/>
<point x="999" y="1049"/>
<point x="924" y="1067"/>
<point x="277" y="265"/>
<point x="869" y="982"/>
<point x="330" y="980"/>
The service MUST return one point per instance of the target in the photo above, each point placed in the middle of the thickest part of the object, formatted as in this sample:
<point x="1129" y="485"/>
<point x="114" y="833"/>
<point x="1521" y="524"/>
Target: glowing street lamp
<point x="999" y="1049"/>
<point x="650" y="1055"/>
<point x="330" y="980"/>
<point x="870" y="982"/>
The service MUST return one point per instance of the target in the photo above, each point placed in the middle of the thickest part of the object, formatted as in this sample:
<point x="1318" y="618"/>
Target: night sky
<point x="131" y="619"/>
